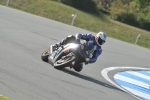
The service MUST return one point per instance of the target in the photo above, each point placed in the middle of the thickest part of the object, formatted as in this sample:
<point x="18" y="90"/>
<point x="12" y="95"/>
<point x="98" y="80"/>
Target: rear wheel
<point x="45" y="55"/>
<point x="63" y="62"/>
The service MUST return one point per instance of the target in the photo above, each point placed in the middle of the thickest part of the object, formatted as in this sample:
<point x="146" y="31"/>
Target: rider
<point x="99" y="39"/>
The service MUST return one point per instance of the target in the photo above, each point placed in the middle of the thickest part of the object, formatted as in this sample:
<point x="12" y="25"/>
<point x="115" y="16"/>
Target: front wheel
<point x="64" y="62"/>
<point x="45" y="55"/>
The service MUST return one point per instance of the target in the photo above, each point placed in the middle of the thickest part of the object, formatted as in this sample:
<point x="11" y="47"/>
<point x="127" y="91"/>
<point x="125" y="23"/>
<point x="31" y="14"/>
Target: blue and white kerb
<point x="136" y="82"/>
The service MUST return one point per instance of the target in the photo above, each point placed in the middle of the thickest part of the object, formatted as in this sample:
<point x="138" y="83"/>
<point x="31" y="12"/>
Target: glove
<point x="86" y="62"/>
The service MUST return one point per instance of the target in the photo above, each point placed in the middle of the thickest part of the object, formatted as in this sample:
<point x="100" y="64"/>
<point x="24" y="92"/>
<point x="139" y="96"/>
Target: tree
<point x="86" y="5"/>
<point x="104" y="3"/>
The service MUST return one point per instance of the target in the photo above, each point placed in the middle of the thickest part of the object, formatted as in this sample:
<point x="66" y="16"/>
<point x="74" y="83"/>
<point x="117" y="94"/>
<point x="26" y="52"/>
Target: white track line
<point x="105" y="71"/>
<point x="141" y="94"/>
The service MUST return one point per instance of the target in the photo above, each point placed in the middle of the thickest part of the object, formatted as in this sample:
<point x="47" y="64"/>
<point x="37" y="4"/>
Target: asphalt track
<point x="24" y="76"/>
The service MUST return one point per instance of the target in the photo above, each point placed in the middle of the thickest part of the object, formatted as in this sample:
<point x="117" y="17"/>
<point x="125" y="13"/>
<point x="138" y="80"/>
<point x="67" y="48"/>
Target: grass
<point x="62" y="13"/>
<point x="4" y="98"/>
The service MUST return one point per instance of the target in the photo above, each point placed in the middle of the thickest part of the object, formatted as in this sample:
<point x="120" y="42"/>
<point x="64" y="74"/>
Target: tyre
<point x="45" y="55"/>
<point x="65" y="62"/>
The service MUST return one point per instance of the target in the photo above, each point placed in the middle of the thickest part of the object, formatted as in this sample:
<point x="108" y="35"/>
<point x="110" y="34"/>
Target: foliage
<point x="86" y="5"/>
<point x="4" y="98"/>
<point x="133" y="12"/>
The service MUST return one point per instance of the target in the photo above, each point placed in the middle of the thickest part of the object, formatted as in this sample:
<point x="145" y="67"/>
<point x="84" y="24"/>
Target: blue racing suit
<point x="90" y="37"/>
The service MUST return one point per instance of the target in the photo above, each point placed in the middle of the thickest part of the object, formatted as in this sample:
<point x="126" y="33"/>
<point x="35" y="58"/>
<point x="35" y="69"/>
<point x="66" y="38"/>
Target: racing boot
<point x="57" y="45"/>
<point x="68" y="39"/>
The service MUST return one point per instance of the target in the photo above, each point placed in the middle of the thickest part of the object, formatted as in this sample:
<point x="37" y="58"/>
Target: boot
<point x="56" y="46"/>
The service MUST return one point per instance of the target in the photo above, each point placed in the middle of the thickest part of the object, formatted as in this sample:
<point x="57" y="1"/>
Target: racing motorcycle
<point x="69" y="55"/>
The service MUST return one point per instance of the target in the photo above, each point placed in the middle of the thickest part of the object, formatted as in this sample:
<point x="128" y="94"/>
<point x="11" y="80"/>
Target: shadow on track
<point x="88" y="78"/>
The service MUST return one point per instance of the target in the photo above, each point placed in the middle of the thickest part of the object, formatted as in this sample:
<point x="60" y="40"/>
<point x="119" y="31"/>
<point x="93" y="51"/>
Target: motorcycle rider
<point x="98" y="40"/>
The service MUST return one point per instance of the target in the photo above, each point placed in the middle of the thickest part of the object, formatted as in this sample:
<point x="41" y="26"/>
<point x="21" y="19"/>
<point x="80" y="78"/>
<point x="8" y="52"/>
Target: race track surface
<point x="24" y="76"/>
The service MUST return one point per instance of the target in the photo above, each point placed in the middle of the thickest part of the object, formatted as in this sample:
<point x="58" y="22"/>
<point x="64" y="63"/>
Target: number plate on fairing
<point x="53" y="54"/>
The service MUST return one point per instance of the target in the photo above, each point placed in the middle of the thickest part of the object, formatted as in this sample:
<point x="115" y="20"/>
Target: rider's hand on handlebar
<point x="86" y="62"/>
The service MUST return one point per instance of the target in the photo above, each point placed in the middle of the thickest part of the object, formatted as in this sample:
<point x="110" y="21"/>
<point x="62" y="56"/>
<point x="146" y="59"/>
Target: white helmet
<point x="100" y="38"/>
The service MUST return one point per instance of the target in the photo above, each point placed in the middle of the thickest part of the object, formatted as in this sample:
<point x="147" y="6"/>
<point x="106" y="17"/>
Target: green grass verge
<point x="4" y="98"/>
<point x="62" y="13"/>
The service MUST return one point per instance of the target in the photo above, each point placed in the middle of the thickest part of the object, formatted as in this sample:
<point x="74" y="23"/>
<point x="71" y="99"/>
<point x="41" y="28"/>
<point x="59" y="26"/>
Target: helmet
<point x="100" y="38"/>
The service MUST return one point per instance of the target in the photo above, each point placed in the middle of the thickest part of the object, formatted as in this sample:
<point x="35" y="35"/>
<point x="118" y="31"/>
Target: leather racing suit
<point x="90" y="37"/>
<point x="87" y="37"/>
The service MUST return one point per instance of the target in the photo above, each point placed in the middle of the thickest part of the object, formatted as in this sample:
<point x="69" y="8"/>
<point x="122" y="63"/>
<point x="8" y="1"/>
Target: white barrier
<point x="137" y="39"/>
<point x="7" y="3"/>
<point x="74" y="16"/>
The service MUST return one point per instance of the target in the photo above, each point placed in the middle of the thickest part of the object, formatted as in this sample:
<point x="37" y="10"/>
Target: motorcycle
<point x="69" y="55"/>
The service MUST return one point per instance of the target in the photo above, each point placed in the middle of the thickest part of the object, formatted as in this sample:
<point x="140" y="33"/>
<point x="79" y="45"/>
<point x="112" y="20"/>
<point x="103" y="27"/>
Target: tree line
<point x="132" y="12"/>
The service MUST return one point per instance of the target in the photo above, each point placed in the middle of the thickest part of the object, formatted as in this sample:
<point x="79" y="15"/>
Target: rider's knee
<point x="78" y="67"/>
